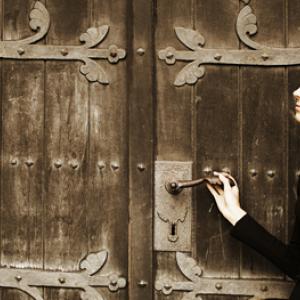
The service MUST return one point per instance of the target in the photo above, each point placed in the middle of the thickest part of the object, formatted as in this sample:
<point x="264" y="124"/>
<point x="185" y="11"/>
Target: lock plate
<point x="172" y="213"/>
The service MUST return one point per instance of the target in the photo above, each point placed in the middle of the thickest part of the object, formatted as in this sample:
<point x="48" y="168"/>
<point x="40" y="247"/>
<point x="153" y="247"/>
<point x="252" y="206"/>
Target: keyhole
<point x="173" y="229"/>
<point x="173" y="237"/>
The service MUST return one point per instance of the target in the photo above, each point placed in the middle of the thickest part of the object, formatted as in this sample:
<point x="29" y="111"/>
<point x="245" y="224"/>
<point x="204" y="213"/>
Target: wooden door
<point x="88" y="106"/>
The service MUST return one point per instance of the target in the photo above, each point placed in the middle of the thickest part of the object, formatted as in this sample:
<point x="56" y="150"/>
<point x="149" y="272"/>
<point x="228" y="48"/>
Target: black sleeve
<point x="285" y="257"/>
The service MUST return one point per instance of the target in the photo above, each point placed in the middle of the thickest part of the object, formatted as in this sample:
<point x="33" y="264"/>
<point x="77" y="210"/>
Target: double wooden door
<point x="82" y="128"/>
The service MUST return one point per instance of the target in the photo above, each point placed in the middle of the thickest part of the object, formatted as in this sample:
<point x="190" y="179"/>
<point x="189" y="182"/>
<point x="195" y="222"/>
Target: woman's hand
<point x="227" y="198"/>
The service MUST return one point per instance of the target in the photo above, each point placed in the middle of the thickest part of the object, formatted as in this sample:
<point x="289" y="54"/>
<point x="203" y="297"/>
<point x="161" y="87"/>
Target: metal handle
<point x="174" y="187"/>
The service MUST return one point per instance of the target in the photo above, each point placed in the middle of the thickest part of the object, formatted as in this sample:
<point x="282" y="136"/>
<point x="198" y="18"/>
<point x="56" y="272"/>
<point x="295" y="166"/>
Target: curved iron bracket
<point x="86" y="53"/>
<point x="196" y="286"/>
<point x="197" y="56"/>
<point x="85" y="280"/>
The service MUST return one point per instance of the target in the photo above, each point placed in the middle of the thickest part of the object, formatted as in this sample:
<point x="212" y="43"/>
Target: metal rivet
<point x="62" y="280"/>
<point x="14" y="161"/>
<point x="271" y="173"/>
<point x="219" y="286"/>
<point x="18" y="277"/>
<point x="29" y="163"/>
<point x="140" y="51"/>
<point x="115" y="166"/>
<point x="101" y="165"/>
<point x="207" y="171"/>
<point x="74" y="164"/>
<point x="253" y="172"/>
<point x="113" y="52"/>
<point x="199" y="273"/>
<point x="114" y="281"/>
<point x="21" y="51"/>
<point x="265" y="56"/>
<point x="217" y="56"/>
<point x="142" y="283"/>
<point x="167" y="286"/>
<point x="226" y="170"/>
<point x="58" y="164"/>
<point x="64" y="52"/>
<point x="169" y="54"/>
<point x="264" y="288"/>
<point x="141" y="167"/>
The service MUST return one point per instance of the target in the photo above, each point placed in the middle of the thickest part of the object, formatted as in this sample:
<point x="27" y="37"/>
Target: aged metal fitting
<point x="169" y="54"/>
<point x="62" y="280"/>
<point x="29" y="163"/>
<point x="271" y="173"/>
<point x="140" y="51"/>
<point x="101" y="165"/>
<point x="115" y="166"/>
<point x="113" y="52"/>
<point x="265" y="56"/>
<point x="74" y="164"/>
<point x="264" y="288"/>
<point x="219" y="286"/>
<point x="18" y="278"/>
<point x="21" y="51"/>
<point x="141" y="167"/>
<point x="113" y="280"/>
<point x="14" y="161"/>
<point x="58" y="163"/>
<point x="253" y="172"/>
<point x="142" y="283"/>
<point x="64" y="52"/>
<point x="218" y="56"/>
<point x="207" y="171"/>
<point x="167" y="286"/>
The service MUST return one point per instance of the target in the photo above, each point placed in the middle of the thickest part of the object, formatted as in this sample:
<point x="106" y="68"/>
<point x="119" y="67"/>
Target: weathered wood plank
<point x="22" y="142"/>
<point x="173" y="109"/>
<point x="217" y="139"/>
<point x="107" y="203"/>
<point x="264" y="114"/>
<point x="66" y="141"/>
<point x="141" y="148"/>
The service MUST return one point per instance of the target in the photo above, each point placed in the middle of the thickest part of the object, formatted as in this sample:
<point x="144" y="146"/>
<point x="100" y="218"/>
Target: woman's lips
<point x="297" y="107"/>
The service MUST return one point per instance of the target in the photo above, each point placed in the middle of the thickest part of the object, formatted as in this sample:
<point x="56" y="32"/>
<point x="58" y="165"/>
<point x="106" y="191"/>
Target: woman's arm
<point x="248" y="231"/>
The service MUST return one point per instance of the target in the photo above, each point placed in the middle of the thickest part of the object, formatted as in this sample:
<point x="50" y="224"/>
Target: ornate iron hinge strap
<point x="198" y="285"/>
<point x="40" y="22"/>
<point x="85" y="280"/>
<point x="197" y="56"/>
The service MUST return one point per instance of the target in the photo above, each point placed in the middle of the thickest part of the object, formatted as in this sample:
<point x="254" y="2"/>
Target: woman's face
<point x="296" y="95"/>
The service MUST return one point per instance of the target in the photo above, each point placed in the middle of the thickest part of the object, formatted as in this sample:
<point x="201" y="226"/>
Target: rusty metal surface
<point x="85" y="280"/>
<point x="86" y="53"/>
<point x="198" y="285"/>
<point x="246" y="26"/>
<point x="172" y="215"/>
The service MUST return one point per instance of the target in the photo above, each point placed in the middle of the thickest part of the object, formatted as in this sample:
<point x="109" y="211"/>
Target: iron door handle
<point x="174" y="187"/>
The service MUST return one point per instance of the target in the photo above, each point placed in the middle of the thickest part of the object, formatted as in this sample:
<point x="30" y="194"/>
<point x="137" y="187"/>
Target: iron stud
<point x="21" y="51"/>
<point x="141" y="167"/>
<point x="64" y="52"/>
<point x="167" y="286"/>
<point x="14" y="161"/>
<point x="101" y="165"/>
<point x="74" y="164"/>
<point x="142" y="283"/>
<point x="58" y="163"/>
<point x="218" y="56"/>
<point x="18" y="278"/>
<point x="61" y="280"/>
<point x="253" y="172"/>
<point x="29" y="163"/>
<point x="219" y="286"/>
<point x="113" y="52"/>
<point x="115" y="166"/>
<point x="169" y="54"/>
<point x="207" y="171"/>
<point x="265" y="56"/>
<point x="140" y="51"/>
<point x="264" y="288"/>
<point x="271" y="173"/>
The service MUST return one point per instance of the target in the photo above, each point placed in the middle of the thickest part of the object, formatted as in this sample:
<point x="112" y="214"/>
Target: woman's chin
<point x="297" y="117"/>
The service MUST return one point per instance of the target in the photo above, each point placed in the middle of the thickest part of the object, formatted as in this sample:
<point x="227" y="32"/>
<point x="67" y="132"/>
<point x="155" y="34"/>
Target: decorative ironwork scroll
<point x="197" y="56"/>
<point x="86" y="53"/>
<point x="85" y="280"/>
<point x="196" y="286"/>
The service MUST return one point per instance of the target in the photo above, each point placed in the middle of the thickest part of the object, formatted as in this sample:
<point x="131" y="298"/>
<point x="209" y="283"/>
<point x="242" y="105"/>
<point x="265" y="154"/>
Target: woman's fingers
<point x="233" y="180"/>
<point x="219" y="190"/>
<point x="224" y="180"/>
<point x="212" y="190"/>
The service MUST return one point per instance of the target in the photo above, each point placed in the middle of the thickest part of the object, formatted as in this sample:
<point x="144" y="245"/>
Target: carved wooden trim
<point x="86" y="53"/>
